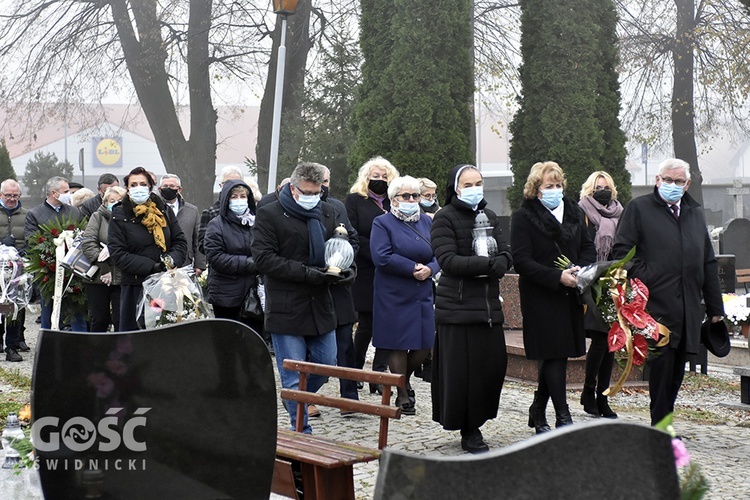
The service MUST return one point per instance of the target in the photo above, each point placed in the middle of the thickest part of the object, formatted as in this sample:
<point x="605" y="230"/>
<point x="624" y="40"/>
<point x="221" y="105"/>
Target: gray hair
<point x="230" y="170"/>
<point x="673" y="164"/>
<point x="54" y="184"/>
<point x="9" y="183"/>
<point x="309" y="172"/>
<point x="170" y="176"/>
<point x="425" y="183"/>
<point x="399" y="183"/>
<point x="113" y="190"/>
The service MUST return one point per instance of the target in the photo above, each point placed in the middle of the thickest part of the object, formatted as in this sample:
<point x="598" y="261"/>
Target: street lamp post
<point x="284" y="8"/>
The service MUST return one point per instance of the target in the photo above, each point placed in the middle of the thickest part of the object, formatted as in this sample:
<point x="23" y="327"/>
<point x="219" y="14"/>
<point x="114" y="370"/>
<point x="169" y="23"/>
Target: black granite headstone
<point x="735" y="240"/>
<point x="727" y="275"/>
<point x="186" y="411"/>
<point x="503" y="221"/>
<point x="595" y="460"/>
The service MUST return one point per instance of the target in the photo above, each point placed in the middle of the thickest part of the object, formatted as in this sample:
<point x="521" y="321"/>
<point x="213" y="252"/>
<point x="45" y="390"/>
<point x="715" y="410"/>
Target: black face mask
<point x="168" y="194"/>
<point x="603" y="196"/>
<point x="378" y="186"/>
<point x="323" y="192"/>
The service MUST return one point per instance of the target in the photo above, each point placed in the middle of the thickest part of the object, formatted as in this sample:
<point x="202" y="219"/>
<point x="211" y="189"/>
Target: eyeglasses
<point x="409" y="196"/>
<point x="677" y="182"/>
<point x="429" y="196"/>
<point x="307" y="193"/>
<point x="602" y="188"/>
<point x="12" y="196"/>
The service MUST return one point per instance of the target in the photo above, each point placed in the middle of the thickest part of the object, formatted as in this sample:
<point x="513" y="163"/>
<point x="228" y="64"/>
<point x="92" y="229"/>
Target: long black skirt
<point x="468" y="371"/>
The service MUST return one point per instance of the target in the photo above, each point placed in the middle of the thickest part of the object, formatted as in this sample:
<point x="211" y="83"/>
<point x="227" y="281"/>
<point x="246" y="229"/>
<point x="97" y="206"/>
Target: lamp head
<point x="286" y="7"/>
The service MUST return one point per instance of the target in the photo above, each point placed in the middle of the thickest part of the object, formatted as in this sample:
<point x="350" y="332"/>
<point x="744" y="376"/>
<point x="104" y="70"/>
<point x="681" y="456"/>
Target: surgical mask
<point x="670" y="192"/>
<point x="139" y="194"/>
<point x="472" y="195"/>
<point x="427" y="203"/>
<point x="308" y="201"/>
<point x="408" y="208"/>
<point x="603" y="196"/>
<point x="551" y="198"/>
<point x="377" y="186"/>
<point x="168" y="194"/>
<point x="65" y="198"/>
<point x="238" y="205"/>
<point x="111" y="205"/>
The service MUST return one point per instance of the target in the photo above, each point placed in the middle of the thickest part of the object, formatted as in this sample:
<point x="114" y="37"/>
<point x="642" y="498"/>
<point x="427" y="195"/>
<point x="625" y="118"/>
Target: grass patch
<point x="15" y="378"/>
<point x="701" y="416"/>
<point x="16" y="398"/>
<point x="700" y="382"/>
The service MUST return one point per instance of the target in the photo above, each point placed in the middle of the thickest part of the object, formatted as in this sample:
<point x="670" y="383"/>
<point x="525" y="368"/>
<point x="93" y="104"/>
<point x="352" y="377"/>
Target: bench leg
<point x="320" y="483"/>
<point x="745" y="390"/>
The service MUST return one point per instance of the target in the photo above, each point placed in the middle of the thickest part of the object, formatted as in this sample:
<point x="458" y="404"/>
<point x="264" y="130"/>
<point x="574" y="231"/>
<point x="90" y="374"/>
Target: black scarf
<point x="315" y="228"/>
<point x="543" y="219"/>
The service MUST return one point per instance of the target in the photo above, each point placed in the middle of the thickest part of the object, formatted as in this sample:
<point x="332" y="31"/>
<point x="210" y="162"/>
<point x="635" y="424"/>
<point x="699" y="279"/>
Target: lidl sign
<point x="107" y="152"/>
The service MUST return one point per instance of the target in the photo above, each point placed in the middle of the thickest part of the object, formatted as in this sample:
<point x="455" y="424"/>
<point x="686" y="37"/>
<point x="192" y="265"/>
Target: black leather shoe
<point x="603" y="407"/>
<point x="412" y="396"/>
<point x="407" y="408"/>
<point x="473" y="442"/>
<point x="563" y="417"/>
<point x="23" y="347"/>
<point x="376" y="388"/>
<point x="588" y="400"/>
<point x="12" y="355"/>
<point x="537" y="416"/>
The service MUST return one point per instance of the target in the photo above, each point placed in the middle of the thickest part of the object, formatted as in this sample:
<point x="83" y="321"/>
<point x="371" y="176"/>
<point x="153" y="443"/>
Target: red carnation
<point x="46" y="278"/>
<point x="41" y="239"/>
<point x="42" y="263"/>
<point x="71" y="227"/>
<point x="52" y="267"/>
<point x="55" y="232"/>
<point x="76" y="289"/>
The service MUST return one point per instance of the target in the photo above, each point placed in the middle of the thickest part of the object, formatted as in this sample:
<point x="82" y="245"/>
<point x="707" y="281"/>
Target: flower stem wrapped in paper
<point x="622" y="304"/>
<point x="15" y="283"/>
<point x="172" y="296"/>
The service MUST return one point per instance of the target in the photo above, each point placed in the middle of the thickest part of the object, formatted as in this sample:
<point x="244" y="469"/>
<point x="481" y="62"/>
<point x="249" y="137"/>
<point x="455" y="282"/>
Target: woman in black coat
<point x="227" y="247"/>
<point x="142" y="231"/>
<point x="368" y="199"/>
<point x="469" y="356"/>
<point x="546" y="227"/>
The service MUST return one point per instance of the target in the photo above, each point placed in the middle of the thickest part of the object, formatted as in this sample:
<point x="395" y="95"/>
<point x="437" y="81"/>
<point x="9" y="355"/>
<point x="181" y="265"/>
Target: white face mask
<point x="308" y="201"/>
<point x="64" y="198"/>
<point x="139" y="194"/>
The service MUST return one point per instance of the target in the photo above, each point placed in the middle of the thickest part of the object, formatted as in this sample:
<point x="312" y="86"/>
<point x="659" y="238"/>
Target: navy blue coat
<point x="227" y="246"/>
<point x="403" y="316"/>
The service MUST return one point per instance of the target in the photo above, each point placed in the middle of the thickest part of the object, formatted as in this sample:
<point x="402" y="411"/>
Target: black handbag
<point x="251" y="306"/>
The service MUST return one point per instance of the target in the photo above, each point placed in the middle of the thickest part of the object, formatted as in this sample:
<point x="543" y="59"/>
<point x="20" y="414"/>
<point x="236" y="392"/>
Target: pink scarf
<point x="605" y="223"/>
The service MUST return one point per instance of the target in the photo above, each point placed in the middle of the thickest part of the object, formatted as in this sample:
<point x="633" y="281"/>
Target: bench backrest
<point x="384" y="410"/>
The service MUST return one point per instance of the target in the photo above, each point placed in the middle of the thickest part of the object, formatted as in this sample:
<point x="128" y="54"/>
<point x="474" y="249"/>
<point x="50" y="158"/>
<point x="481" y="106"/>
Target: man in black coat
<point x="289" y="239"/>
<point x="675" y="260"/>
<point x="105" y="182"/>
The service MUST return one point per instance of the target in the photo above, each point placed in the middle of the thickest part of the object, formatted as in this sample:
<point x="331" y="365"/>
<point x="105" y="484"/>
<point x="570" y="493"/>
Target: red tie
<point x="675" y="211"/>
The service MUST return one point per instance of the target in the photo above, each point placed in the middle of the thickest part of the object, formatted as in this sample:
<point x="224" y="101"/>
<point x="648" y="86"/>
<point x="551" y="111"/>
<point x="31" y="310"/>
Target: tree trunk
<point x="291" y="136"/>
<point x="683" y="113"/>
<point x="194" y="160"/>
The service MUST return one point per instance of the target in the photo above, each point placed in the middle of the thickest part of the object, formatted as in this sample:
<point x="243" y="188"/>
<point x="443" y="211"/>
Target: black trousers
<point x="104" y="307"/>
<point x="129" y="297"/>
<point x="666" y="371"/>
<point x="345" y="358"/>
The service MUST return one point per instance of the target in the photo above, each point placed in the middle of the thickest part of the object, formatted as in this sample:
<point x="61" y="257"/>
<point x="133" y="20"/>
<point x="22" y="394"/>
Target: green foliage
<point x="328" y="105"/>
<point x="415" y="99"/>
<point x="6" y="166"/>
<point x="41" y="168"/>
<point x="570" y="97"/>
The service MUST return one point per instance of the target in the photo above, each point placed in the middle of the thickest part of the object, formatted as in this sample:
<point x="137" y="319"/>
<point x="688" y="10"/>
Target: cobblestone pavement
<point x="721" y="449"/>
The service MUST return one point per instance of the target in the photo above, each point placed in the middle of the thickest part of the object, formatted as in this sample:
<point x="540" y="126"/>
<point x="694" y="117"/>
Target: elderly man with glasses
<point x="11" y="232"/>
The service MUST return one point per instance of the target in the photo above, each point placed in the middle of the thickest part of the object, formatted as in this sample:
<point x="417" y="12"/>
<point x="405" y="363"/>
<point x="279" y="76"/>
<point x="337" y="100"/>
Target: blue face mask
<point x="427" y="203"/>
<point x="110" y="205"/>
<point x="308" y="201"/>
<point x="551" y="198"/>
<point x="408" y="208"/>
<point x="472" y="195"/>
<point x="139" y="194"/>
<point x="238" y="205"/>
<point x="670" y="192"/>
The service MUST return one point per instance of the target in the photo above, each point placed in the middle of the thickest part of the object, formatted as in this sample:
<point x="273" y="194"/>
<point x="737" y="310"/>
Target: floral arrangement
<point x="693" y="485"/>
<point x="172" y="297"/>
<point x="736" y="310"/>
<point x="42" y="264"/>
<point x="622" y="304"/>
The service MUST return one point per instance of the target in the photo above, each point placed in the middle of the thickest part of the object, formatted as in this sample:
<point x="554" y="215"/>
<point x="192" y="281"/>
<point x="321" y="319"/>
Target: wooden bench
<point x="744" y="373"/>
<point x="742" y="278"/>
<point x="325" y="467"/>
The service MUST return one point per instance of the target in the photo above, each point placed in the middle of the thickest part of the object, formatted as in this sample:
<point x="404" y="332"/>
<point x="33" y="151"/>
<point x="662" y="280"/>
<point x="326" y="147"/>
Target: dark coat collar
<point x="542" y="219"/>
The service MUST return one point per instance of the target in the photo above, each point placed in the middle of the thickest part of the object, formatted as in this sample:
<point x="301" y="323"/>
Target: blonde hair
<point x="538" y="171"/>
<point x="113" y="190"/>
<point x="257" y="195"/>
<point x="588" y="187"/>
<point x="83" y="194"/>
<point x="363" y="176"/>
<point x="425" y="183"/>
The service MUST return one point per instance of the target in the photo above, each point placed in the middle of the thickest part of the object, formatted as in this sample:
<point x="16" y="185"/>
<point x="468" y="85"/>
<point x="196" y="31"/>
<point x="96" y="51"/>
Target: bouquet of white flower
<point x="171" y="297"/>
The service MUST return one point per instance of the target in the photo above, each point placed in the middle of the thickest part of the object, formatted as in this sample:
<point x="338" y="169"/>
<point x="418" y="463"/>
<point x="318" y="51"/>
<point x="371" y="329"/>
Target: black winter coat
<point x="465" y="292"/>
<point x="228" y="249"/>
<point x="675" y="260"/>
<point x="281" y="247"/>
<point x="552" y="313"/>
<point x="362" y="212"/>
<point x="132" y="246"/>
<point x="343" y="300"/>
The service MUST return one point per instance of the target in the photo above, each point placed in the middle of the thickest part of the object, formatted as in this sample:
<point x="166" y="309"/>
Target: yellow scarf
<point x="154" y="221"/>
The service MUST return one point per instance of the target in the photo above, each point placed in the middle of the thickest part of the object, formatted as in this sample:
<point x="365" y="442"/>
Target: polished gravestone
<point x="185" y="411"/>
<point x="736" y="240"/>
<point x="594" y="460"/>
<point x="727" y="273"/>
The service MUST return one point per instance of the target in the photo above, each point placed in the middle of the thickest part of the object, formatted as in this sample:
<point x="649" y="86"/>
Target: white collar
<point x="558" y="211"/>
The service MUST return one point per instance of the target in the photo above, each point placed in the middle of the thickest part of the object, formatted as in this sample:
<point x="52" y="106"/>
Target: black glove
<point x="9" y="241"/>
<point x="315" y="276"/>
<point x="250" y="265"/>
<point x="158" y="267"/>
<point x="499" y="265"/>
<point x="347" y="276"/>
